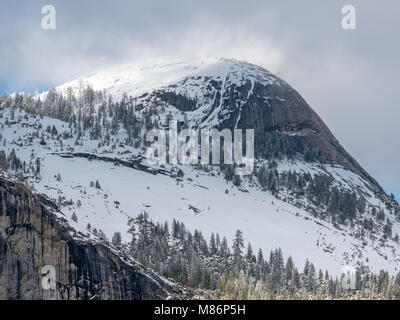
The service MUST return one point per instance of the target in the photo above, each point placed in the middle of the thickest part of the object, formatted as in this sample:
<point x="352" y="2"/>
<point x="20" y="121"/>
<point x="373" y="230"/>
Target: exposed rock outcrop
<point x="266" y="107"/>
<point x="32" y="237"/>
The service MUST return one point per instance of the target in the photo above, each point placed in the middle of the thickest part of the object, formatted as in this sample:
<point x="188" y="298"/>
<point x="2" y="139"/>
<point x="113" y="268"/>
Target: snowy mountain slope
<point x="216" y="93"/>
<point x="143" y="78"/>
<point x="199" y="199"/>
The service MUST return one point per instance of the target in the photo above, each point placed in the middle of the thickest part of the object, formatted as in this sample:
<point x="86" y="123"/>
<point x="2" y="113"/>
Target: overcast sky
<point x="349" y="77"/>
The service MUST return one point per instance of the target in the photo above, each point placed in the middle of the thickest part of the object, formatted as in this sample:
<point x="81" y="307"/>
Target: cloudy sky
<point x="349" y="77"/>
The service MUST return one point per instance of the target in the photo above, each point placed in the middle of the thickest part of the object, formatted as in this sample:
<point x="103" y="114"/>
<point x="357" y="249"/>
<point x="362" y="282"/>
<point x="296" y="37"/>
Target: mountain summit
<point x="82" y="147"/>
<point x="222" y="93"/>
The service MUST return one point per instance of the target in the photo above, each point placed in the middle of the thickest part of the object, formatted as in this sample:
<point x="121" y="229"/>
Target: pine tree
<point x="224" y="250"/>
<point x="3" y="160"/>
<point x="74" y="217"/>
<point x="249" y="254"/>
<point x="217" y="242"/>
<point x="260" y="256"/>
<point x="116" y="239"/>
<point x="238" y="245"/>
<point x="213" y="246"/>
<point x="37" y="165"/>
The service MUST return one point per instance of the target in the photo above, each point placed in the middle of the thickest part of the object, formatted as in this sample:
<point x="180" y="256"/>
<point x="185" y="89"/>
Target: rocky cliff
<point x="32" y="237"/>
<point x="268" y="107"/>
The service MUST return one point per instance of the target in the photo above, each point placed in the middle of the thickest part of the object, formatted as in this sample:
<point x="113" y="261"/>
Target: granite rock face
<point x="33" y="238"/>
<point x="268" y="108"/>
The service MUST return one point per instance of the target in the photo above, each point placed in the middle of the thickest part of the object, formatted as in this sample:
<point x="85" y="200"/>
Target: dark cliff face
<point x="287" y="112"/>
<point x="269" y="109"/>
<point x="31" y="237"/>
